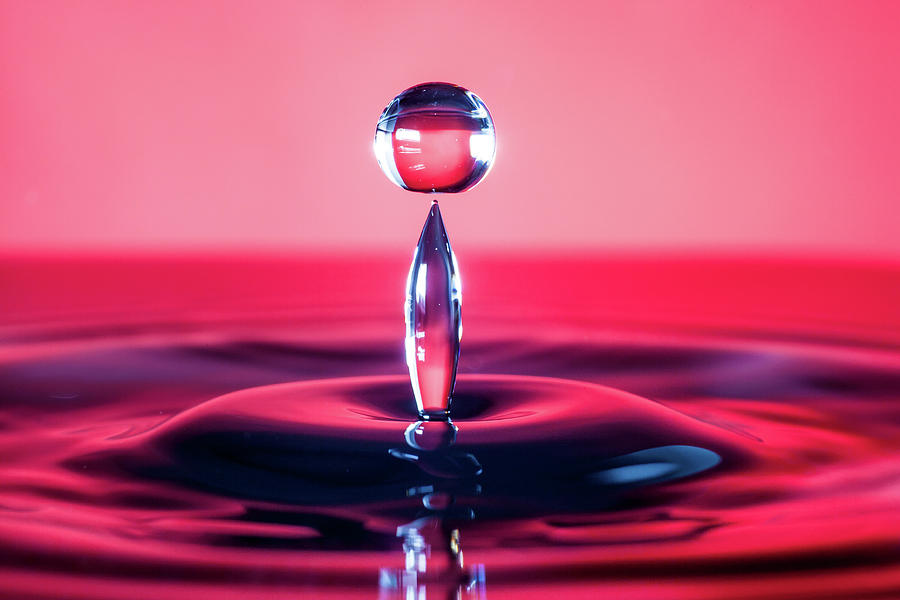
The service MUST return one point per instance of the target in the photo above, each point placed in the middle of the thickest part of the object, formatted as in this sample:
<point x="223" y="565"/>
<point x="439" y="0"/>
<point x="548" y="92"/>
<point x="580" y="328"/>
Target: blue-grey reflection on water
<point x="655" y="465"/>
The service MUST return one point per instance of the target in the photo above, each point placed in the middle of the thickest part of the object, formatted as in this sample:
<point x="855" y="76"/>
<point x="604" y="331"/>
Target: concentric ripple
<point x="183" y="466"/>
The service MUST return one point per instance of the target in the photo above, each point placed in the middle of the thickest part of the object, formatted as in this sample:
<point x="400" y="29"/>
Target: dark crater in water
<point x="547" y="447"/>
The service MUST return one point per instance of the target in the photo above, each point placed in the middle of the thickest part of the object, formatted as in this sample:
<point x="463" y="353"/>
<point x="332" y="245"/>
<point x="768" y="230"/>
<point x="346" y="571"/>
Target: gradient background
<point x="168" y="126"/>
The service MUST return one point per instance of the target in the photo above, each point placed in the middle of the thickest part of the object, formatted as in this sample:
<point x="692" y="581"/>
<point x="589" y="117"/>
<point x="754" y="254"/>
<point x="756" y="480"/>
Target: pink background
<point x="764" y="126"/>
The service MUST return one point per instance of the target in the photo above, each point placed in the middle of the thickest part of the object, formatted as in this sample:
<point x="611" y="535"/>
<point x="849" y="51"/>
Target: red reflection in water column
<point x="433" y="318"/>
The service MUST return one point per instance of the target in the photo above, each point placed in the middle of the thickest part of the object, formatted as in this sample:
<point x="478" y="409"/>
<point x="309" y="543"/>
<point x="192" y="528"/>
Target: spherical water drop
<point x="431" y="435"/>
<point x="435" y="137"/>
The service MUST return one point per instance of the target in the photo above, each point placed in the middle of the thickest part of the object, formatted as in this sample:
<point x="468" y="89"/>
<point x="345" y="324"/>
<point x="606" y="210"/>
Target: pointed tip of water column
<point x="434" y="214"/>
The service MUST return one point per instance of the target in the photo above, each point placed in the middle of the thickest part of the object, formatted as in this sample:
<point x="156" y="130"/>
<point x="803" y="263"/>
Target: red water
<point x="673" y="428"/>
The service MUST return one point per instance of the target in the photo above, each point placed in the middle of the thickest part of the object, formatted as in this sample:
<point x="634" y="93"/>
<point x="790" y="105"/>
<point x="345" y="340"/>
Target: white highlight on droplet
<point x="407" y="135"/>
<point x="481" y="146"/>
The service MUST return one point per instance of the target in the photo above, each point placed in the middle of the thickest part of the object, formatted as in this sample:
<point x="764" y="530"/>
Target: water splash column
<point x="434" y="138"/>
<point x="433" y="313"/>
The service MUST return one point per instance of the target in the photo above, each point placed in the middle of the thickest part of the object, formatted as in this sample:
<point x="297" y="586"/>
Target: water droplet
<point x="431" y="435"/>
<point x="435" y="137"/>
<point x="433" y="319"/>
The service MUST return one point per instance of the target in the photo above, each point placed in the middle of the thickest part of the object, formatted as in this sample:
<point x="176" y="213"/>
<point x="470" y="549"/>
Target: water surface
<point x="644" y="429"/>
